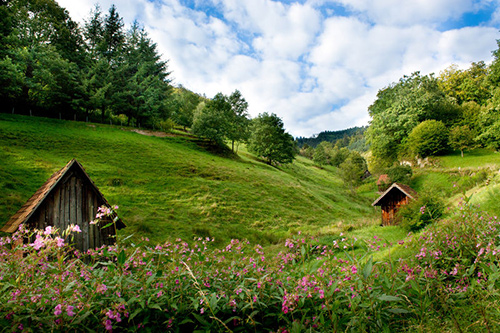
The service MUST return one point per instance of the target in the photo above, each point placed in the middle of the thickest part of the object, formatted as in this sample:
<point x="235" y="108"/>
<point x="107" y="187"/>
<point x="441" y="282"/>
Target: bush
<point x="166" y="125"/>
<point x="429" y="138"/>
<point x="338" y="156"/>
<point x="419" y="213"/>
<point x="400" y="174"/>
<point x="353" y="169"/>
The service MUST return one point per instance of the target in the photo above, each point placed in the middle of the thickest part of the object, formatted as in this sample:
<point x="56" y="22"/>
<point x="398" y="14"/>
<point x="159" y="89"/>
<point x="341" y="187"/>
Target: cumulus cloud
<point x="318" y="64"/>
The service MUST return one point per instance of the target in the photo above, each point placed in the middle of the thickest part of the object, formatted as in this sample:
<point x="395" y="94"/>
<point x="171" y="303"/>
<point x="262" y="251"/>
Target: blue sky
<point x="318" y="64"/>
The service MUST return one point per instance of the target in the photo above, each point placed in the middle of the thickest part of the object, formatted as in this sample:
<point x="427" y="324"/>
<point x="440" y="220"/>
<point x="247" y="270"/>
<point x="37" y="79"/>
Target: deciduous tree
<point x="270" y="141"/>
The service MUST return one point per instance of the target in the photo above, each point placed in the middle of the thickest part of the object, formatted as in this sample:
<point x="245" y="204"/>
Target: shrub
<point x="419" y="213"/>
<point x="353" y="169"/>
<point x="429" y="138"/>
<point x="400" y="174"/>
<point x="338" y="156"/>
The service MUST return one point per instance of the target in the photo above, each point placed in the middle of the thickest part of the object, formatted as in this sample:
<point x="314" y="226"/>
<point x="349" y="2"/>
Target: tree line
<point x="428" y="115"/>
<point x="102" y="71"/>
<point x="50" y="66"/>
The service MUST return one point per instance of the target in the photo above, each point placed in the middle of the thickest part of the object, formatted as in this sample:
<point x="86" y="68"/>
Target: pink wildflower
<point x="48" y="230"/>
<point x="74" y="228"/>
<point x="101" y="288"/>
<point x="69" y="310"/>
<point x="39" y="242"/>
<point x="57" y="310"/>
<point x="59" y="242"/>
<point x="108" y="325"/>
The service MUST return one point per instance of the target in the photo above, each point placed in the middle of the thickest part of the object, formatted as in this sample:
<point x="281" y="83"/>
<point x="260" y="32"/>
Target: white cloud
<point x="317" y="71"/>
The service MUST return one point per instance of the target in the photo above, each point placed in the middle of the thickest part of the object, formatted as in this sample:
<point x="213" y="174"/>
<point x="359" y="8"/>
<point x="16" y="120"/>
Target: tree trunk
<point x="462" y="152"/>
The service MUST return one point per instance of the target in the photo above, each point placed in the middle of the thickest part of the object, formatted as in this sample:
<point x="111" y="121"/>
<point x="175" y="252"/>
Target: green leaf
<point x="185" y="321"/>
<point x="135" y="313"/>
<point x="389" y="298"/>
<point x="201" y="320"/>
<point x="107" y="225"/>
<point x="79" y="319"/>
<point x="232" y="318"/>
<point x="302" y="250"/>
<point x="121" y="258"/>
<point x="155" y="306"/>
<point x="150" y="279"/>
<point x="398" y="310"/>
<point x="316" y="264"/>
<point x="213" y="301"/>
<point x="69" y="286"/>
<point x="367" y="270"/>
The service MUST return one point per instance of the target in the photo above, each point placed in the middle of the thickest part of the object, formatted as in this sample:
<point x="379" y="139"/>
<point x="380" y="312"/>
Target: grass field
<point x="170" y="187"/>
<point x="177" y="187"/>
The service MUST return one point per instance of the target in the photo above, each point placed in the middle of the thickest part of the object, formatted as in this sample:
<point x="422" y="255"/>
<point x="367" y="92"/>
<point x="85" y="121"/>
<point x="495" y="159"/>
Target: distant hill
<point x="332" y="136"/>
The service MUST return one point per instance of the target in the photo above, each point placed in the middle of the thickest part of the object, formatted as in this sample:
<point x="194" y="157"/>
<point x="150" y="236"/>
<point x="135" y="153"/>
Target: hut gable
<point x="69" y="196"/>
<point x="393" y="198"/>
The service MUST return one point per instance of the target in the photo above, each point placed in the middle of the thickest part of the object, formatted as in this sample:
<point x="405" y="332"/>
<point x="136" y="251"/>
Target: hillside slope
<point x="171" y="187"/>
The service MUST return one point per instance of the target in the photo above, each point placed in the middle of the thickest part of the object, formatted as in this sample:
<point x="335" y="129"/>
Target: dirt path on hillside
<point x="160" y="133"/>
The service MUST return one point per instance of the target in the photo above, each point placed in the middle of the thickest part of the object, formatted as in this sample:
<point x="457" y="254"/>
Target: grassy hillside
<point x="170" y="187"/>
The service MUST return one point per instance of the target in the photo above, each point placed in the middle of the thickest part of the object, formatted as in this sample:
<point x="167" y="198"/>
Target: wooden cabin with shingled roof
<point x="394" y="197"/>
<point x="68" y="197"/>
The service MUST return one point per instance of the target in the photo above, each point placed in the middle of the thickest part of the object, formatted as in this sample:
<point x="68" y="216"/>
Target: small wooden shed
<point x="69" y="196"/>
<point x="393" y="198"/>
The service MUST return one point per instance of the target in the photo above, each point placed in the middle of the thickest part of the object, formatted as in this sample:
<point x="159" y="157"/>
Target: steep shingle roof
<point x="407" y="190"/>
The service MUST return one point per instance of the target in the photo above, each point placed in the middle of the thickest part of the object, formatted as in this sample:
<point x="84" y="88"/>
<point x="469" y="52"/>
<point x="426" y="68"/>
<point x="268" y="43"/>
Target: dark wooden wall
<point x="73" y="201"/>
<point x="390" y="206"/>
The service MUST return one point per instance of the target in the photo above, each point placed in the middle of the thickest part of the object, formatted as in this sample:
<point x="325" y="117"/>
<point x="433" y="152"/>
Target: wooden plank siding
<point x="391" y="200"/>
<point x="68" y="197"/>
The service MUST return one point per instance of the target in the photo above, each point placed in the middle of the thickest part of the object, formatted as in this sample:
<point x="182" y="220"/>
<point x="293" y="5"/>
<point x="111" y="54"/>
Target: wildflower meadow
<point x="446" y="277"/>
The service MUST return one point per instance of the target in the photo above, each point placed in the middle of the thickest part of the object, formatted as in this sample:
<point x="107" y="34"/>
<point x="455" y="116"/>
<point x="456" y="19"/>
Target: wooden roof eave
<point x="402" y="188"/>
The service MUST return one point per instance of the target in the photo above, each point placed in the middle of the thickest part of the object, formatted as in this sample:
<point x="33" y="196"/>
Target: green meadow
<point x="177" y="186"/>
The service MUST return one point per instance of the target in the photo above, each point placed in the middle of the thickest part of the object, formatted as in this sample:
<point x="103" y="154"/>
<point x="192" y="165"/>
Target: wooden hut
<point x="393" y="198"/>
<point x="69" y="196"/>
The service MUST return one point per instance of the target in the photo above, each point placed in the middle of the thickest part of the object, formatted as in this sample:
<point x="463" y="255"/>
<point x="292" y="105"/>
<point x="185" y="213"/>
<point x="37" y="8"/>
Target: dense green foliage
<point x="350" y="136"/>
<point x="400" y="108"/>
<point x="102" y="71"/>
<point x="223" y="118"/>
<point x="466" y="101"/>
<point x="429" y="138"/>
<point x="400" y="174"/>
<point x="270" y="141"/>
<point x="427" y="208"/>
<point x="461" y="138"/>
<point x="353" y="169"/>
